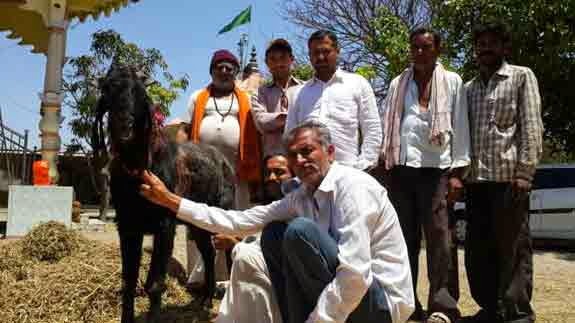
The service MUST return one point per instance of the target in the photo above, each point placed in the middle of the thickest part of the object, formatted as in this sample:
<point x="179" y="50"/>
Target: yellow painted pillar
<point x="52" y="95"/>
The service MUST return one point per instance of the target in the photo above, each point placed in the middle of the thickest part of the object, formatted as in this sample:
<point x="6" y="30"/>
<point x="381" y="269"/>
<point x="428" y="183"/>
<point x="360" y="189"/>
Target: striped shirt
<point x="270" y="102"/>
<point x="505" y="123"/>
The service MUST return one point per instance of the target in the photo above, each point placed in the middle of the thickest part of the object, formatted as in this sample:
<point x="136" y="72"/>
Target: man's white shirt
<point x="355" y="210"/>
<point x="416" y="149"/>
<point x="347" y="105"/>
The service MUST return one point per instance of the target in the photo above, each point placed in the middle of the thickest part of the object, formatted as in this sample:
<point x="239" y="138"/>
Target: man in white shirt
<point x="333" y="247"/>
<point x="344" y="101"/>
<point x="426" y="147"/>
<point x="220" y="115"/>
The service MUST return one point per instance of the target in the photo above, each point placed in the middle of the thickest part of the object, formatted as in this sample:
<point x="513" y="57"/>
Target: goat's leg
<point x="131" y="252"/>
<point x="156" y="280"/>
<point x="204" y="242"/>
<point x="229" y="260"/>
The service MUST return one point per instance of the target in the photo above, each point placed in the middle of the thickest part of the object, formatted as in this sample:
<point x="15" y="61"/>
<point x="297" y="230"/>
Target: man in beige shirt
<point x="272" y="101"/>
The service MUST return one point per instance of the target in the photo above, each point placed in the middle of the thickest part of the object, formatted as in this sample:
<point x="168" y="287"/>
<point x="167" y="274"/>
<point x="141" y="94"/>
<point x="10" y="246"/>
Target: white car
<point x="551" y="205"/>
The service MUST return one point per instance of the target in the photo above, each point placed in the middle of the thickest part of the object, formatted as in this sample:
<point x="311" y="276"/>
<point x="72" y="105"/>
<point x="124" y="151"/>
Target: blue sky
<point x="185" y="33"/>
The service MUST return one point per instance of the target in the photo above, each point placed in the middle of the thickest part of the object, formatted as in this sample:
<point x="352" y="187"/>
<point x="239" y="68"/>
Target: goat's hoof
<point x="153" y="317"/>
<point x="195" y="305"/>
<point x="208" y="316"/>
<point x="127" y="319"/>
<point x="201" y="304"/>
<point x="220" y="292"/>
<point x="195" y="288"/>
<point x="208" y="305"/>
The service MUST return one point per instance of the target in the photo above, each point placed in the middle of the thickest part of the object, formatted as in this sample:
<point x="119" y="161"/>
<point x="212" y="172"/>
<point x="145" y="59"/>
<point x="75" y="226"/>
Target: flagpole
<point x="250" y="30"/>
<point x="242" y="44"/>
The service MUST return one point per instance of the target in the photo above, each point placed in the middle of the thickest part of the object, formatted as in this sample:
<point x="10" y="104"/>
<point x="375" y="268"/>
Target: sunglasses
<point x="223" y="66"/>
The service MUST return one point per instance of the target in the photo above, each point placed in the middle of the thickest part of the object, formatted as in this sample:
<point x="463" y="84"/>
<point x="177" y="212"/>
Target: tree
<point x="542" y="39"/>
<point x="357" y="24"/>
<point x="302" y="71"/>
<point x="81" y="88"/>
<point x="390" y="40"/>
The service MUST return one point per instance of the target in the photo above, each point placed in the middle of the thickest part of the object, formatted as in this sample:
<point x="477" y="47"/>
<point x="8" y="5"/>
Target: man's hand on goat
<point x="154" y="190"/>
<point x="224" y="242"/>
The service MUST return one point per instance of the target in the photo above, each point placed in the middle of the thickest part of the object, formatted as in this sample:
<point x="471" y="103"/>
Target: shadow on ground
<point x="561" y="249"/>
<point x="190" y="313"/>
<point x="570" y="256"/>
<point x="181" y="314"/>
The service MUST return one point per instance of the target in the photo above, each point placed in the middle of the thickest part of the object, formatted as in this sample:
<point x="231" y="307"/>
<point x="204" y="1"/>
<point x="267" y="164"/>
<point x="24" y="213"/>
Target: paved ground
<point x="554" y="291"/>
<point x="554" y="273"/>
<point x="554" y="278"/>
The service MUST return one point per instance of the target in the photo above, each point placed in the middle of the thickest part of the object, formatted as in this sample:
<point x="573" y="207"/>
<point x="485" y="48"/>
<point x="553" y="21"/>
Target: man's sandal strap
<point x="438" y="317"/>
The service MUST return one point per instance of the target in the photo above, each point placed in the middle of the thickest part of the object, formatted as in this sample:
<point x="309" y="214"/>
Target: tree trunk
<point x="104" y="193"/>
<point x="101" y="179"/>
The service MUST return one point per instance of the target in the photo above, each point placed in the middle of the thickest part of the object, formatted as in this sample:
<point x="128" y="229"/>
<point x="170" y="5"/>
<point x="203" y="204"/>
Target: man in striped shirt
<point x="506" y="140"/>
<point x="271" y="103"/>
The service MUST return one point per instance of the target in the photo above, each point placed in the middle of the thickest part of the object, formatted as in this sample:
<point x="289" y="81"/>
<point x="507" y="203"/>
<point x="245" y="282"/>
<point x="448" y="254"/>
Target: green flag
<point x="243" y="18"/>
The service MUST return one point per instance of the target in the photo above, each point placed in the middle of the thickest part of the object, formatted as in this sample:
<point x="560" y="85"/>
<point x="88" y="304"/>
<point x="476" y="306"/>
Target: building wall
<point x="74" y="171"/>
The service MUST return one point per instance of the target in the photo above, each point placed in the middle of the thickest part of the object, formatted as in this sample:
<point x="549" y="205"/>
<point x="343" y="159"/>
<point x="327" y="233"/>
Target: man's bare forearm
<point x="172" y="202"/>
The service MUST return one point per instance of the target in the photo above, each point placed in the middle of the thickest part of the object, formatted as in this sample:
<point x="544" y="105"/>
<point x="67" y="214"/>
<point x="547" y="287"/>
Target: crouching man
<point x="250" y="296"/>
<point x="334" y="248"/>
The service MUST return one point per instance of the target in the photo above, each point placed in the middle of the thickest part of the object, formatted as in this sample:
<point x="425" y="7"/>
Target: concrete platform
<point x="92" y="213"/>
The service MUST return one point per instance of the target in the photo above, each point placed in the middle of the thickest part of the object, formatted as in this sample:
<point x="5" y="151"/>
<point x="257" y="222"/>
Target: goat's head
<point x="130" y="125"/>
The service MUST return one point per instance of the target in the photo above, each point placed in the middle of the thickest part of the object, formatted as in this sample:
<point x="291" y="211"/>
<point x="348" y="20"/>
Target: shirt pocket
<point x="505" y="111"/>
<point x="343" y="110"/>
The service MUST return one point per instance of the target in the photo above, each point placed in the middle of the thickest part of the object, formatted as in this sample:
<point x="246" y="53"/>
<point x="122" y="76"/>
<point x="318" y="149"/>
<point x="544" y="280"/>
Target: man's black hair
<point x="279" y="45"/>
<point x="321" y="34"/>
<point x="426" y="30"/>
<point x="500" y="30"/>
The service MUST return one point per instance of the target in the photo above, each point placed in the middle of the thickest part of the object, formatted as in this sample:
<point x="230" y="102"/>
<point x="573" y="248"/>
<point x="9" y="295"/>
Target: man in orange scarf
<point x="220" y="115"/>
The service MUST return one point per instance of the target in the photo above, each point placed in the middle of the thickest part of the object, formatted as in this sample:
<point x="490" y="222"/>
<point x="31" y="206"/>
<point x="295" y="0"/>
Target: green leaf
<point x="542" y="39"/>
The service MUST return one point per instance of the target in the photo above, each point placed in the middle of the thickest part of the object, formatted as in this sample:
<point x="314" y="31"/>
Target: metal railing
<point x="15" y="157"/>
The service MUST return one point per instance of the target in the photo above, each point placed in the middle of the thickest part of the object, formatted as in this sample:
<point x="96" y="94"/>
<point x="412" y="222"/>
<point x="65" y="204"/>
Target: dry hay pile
<point x="49" y="242"/>
<point x="56" y="275"/>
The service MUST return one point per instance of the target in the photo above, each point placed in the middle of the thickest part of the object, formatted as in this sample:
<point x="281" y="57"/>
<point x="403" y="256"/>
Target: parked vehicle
<point x="551" y="205"/>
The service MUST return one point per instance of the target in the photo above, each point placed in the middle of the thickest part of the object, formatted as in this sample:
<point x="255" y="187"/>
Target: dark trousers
<point x="498" y="252"/>
<point x="302" y="260"/>
<point x="453" y="280"/>
<point x="419" y="196"/>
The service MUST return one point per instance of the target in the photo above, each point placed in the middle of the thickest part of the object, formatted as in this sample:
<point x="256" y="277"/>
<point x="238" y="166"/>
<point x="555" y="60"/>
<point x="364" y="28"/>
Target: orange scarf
<point x="249" y="157"/>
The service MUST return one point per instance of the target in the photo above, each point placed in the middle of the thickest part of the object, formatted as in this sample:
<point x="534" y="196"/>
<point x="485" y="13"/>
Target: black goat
<point x="197" y="172"/>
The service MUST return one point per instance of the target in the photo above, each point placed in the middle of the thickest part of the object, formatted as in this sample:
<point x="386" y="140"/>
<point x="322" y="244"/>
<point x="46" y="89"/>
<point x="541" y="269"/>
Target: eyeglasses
<point x="225" y="66"/>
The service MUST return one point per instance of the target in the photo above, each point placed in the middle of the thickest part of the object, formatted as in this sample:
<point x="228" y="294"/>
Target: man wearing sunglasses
<point x="220" y="115"/>
<point x="272" y="101"/>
